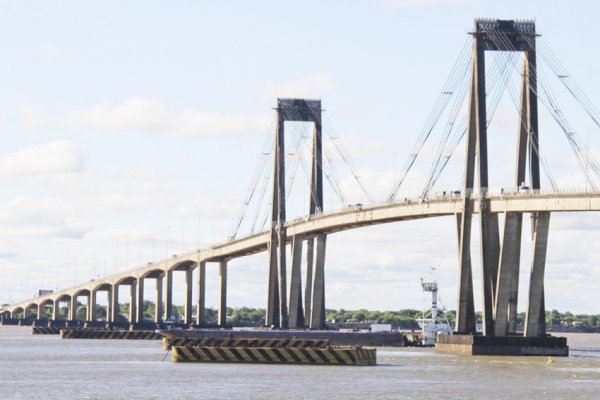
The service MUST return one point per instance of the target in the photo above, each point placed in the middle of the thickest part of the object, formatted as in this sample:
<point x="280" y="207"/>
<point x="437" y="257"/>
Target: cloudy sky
<point x="131" y="130"/>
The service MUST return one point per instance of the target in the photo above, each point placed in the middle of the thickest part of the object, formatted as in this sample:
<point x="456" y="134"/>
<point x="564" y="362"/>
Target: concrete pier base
<point x="473" y="345"/>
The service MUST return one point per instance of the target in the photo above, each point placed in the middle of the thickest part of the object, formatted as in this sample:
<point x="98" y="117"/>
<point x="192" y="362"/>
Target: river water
<point x="46" y="367"/>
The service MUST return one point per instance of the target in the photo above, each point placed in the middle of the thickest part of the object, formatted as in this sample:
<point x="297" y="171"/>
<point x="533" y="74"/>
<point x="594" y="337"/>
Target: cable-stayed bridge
<point x="305" y="239"/>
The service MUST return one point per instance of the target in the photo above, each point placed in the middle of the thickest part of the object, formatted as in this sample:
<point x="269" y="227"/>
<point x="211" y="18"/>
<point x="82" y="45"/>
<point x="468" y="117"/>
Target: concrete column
<point x="133" y="303"/>
<point x="532" y="116"/>
<point x="296" y="317"/>
<point x="109" y="304"/>
<point x="494" y="243"/>
<point x="528" y="123"/>
<point x="55" y="310"/>
<point x="91" y="314"/>
<point x="73" y="308"/>
<point x="513" y="300"/>
<point x="276" y="313"/>
<point x="489" y="268"/>
<point x="279" y="211"/>
<point x="509" y="267"/>
<point x="201" y="293"/>
<point x="140" y="300"/>
<point x="489" y="235"/>
<point x="465" y="311"/>
<point x="535" y="323"/>
<point x="283" y="311"/>
<point x="188" y="297"/>
<point x="169" y="295"/>
<point x="272" y="311"/>
<point x="310" y="250"/>
<point x="317" y="318"/>
<point x="222" y="293"/>
<point x="114" y="301"/>
<point x="158" y="309"/>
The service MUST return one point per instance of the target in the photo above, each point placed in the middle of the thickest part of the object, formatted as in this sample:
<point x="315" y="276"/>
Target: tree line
<point x="404" y="319"/>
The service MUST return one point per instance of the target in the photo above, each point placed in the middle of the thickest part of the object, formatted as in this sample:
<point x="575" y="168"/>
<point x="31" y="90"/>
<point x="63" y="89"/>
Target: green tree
<point x="360" y="315"/>
<point x="81" y="312"/>
<point x="149" y="310"/>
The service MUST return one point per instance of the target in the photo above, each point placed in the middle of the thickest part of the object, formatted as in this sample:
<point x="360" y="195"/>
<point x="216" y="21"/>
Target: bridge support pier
<point x="296" y="317"/>
<point x="133" y="302"/>
<point x="200" y="303"/>
<point x="272" y="312"/>
<point x="91" y="309"/>
<point x="169" y="295"/>
<point x="310" y="251"/>
<point x="317" y="317"/>
<point x="465" y="311"/>
<point x="140" y="301"/>
<point x="508" y="276"/>
<point x="109" y="304"/>
<point x="277" y="306"/>
<point x="222" y="317"/>
<point x="500" y="266"/>
<point x="55" y="308"/>
<point x="158" y="308"/>
<point x="114" y="304"/>
<point x="73" y="308"/>
<point x="535" y="323"/>
<point x="188" y="296"/>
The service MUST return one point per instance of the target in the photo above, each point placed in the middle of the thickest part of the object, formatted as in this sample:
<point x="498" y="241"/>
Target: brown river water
<point x="46" y="367"/>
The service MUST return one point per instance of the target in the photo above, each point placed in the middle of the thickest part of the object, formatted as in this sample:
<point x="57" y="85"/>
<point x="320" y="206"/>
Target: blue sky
<point x="131" y="130"/>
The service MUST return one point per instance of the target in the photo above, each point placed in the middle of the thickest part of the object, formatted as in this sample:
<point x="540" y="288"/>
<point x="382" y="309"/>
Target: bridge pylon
<point x="500" y="259"/>
<point x="313" y="311"/>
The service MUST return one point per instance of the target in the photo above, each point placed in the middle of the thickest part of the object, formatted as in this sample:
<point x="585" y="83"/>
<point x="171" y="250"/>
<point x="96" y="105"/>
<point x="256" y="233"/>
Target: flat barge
<point x="335" y="338"/>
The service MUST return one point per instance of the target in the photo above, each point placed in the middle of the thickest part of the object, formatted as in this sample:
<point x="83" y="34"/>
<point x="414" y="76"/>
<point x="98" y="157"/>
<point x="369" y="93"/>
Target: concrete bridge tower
<point x="312" y="313"/>
<point x="500" y="259"/>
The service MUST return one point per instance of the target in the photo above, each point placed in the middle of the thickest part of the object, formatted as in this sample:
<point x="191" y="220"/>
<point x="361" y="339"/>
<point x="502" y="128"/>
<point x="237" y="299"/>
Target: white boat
<point x="431" y="324"/>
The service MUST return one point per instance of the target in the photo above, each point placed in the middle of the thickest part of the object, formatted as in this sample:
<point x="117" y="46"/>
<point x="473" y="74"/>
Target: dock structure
<point x="109" y="334"/>
<point x="45" y="330"/>
<point x="277" y="355"/>
<point x="169" y="343"/>
<point x="266" y="347"/>
<point x="477" y="345"/>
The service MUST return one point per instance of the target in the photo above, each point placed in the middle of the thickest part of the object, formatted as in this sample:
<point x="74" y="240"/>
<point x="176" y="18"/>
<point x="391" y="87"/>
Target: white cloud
<point x="49" y="50"/>
<point x="116" y="198"/>
<point x="140" y="174"/>
<point x="52" y="158"/>
<point x="30" y="116"/>
<point x="26" y="216"/>
<point x="134" y="234"/>
<point x="53" y="51"/>
<point x="200" y="206"/>
<point x="192" y="123"/>
<point x="146" y="115"/>
<point x="134" y="114"/>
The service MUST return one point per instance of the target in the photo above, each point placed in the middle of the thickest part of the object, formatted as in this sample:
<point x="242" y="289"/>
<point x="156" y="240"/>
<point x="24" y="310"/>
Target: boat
<point x="434" y="321"/>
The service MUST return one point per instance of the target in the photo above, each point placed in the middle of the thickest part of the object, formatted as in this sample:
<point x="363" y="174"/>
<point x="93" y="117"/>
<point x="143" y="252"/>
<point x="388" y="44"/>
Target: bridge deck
<point x="351" y="217"/>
